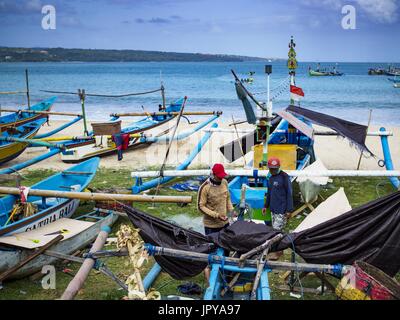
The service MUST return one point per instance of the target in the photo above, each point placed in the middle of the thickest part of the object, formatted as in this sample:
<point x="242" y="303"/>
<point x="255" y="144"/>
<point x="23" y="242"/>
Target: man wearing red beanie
<point x="214" y="202"/>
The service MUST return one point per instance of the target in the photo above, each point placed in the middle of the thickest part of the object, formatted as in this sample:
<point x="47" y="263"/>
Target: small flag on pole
<point x="296" y="93"/>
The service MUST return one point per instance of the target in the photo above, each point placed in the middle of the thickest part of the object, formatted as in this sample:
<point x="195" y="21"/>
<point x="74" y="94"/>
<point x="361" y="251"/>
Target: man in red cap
<point x="279" y="197"/>
<point x="214" y="202"/>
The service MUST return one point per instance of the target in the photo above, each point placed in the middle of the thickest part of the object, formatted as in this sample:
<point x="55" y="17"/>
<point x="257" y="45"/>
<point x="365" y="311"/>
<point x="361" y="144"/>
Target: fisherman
<point x="279" y="197"/>
<point x="214" y="203"/>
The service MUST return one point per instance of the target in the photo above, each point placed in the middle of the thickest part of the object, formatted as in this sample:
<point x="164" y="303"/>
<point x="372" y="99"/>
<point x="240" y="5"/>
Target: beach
<point x="334" y="152"/>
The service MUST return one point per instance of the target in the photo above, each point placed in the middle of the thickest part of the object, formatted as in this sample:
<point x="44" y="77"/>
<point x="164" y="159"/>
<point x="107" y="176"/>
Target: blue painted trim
<point x="64" y="126"/>
<point x="179" y="136"/>
<point x="106" y="229"/>
<point x="30" y="162"/>
<point x="213" y="291"/>
<point x="388" y="159"/>
<point x="263" y="290"/>
<point x="151" y="276"/>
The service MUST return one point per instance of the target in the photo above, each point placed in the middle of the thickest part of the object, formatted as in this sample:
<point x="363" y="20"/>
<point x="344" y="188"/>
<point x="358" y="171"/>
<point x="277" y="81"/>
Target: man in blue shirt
<point x="279" y="197"/>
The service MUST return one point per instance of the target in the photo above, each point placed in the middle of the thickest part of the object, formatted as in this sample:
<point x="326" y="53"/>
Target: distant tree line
<point x="96" y="55"/>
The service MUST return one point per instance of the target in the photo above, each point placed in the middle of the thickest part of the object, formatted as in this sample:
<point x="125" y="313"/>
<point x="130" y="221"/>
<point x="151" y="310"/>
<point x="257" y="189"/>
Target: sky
<point x="260" y="28"/>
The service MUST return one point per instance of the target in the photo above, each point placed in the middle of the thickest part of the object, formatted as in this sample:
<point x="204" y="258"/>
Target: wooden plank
<point x="37" y="253"/>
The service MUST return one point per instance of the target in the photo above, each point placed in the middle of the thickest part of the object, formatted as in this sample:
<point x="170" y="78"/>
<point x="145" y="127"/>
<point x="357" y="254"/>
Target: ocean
<point x="208" y="86"/>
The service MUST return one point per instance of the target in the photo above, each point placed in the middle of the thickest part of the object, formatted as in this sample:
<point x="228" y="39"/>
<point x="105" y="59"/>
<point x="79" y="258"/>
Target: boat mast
<point x="292" y="64"/>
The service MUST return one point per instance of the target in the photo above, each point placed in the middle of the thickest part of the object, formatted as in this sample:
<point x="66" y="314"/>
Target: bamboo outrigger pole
<point x="77" y="282"/>
<point x="265" y="173"/>
<point x="98" y="196"/>
<point x="191" y="113"/>
<point x="44" y="112"/>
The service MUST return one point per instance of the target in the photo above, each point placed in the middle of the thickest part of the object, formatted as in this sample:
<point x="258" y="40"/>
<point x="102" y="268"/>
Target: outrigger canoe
<point x="21" y="117"/>
<point x="104" y="145"/>
<point x="314" y="73"/>
<point x="48" y="210"/>
<point x="9" y="150"/>
<point x="78" y="233"/>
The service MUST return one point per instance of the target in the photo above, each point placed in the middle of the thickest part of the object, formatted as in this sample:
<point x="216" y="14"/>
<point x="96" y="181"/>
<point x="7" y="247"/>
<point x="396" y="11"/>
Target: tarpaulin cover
<point x="369" y="233"/>
<point x="235" y="149"/>
<point x="164" y="234"/>
<point x="355" y="132"/>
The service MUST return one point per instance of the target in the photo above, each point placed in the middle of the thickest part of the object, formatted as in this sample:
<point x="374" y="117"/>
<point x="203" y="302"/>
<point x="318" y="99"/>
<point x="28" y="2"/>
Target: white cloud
<point x="380" y="10"/>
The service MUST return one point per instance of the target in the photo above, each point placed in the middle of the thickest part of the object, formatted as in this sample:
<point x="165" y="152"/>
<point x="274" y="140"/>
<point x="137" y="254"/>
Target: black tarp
<point x="355" y="132"/>
<point x="231" y="150"/>
<point x="164" y="234"/>
<point x="369" y="233"/>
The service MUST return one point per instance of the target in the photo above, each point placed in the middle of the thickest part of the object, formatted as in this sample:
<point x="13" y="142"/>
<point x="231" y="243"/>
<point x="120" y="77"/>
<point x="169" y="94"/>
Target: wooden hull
<point x="11" y="258"/>
<point x="49" y="209"/>
<point x="10" y="151"/>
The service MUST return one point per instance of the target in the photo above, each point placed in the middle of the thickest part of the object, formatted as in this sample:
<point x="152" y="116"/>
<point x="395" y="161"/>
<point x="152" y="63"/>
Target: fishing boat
<point x="104" y="145"/>
<point x="376" y="71"/>
<point x="78" y="233"/>
<point x="23" y="116"/>
<point x="10" y="150"/>
<point x="396" y="85"/>
<point x="316" y="73"/>
<point x="296" y="152"/>
<point x="42" y="210"/>
<point x="395" y="79"/>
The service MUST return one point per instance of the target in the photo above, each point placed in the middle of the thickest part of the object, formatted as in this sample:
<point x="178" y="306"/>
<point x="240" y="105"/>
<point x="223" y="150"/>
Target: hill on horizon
<point x="15" y="54"/>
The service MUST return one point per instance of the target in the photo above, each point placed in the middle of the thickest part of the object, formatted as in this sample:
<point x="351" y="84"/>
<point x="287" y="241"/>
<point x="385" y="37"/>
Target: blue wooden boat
<point x="9" y="150"/>
<point x="48" y="210"/>
<point x="90" y="149"/>
<point x="21" y="117"/>
<point x="257" y="186"/>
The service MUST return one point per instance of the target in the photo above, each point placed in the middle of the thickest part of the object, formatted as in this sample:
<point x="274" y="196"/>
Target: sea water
<point x="208" y="86"/>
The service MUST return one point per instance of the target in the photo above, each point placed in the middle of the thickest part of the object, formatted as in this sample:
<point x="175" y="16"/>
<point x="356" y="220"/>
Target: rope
<point x="297" y="269"/>
<point x="105" y="95"/>
<point x="169" y="146"/>
<point x="283" y="82"/>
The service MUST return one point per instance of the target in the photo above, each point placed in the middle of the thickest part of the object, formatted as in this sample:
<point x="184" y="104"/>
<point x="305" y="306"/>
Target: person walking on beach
<point x="279" y="197"/>
<point x="214" y="203"/>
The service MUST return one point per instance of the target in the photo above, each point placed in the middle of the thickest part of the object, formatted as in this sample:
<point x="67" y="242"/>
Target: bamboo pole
<point x="45" y="112"/>
<point x="98" y="196"/>
<point x="27" y="88"/>
<point x="316" y="133"/>
<point x="228" y="261"/>
<point x="33" y="142"/>
<point x="77" y="282"/>
<point x="82" y="96"/>
<point x="361" y="154"/>
<point x="264" y="173"/>
<point x="191" y="113"/>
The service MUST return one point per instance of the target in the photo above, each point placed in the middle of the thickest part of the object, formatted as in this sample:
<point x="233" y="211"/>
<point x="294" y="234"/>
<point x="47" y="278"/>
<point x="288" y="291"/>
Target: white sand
<point x="335" y="153"/>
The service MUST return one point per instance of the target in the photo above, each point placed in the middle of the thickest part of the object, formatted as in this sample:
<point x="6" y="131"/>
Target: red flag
<point x="296" y="92"/>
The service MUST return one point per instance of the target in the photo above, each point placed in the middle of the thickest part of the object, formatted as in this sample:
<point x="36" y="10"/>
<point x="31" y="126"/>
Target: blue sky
<point x="245" y="27"/>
